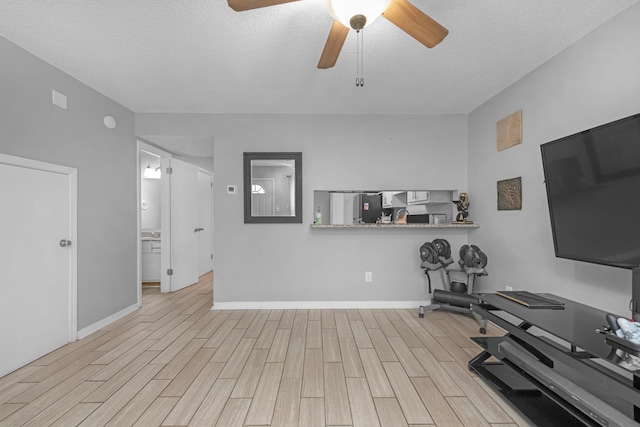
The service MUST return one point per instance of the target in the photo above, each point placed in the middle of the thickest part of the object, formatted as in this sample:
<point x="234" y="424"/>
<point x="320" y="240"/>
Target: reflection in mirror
<point x="385" y="207"/>
<point x="273" y="187"/>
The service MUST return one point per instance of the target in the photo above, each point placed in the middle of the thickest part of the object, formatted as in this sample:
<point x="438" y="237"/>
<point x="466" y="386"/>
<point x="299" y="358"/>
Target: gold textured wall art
<point x="510" y="194"/>
<point x="509" y="131"/>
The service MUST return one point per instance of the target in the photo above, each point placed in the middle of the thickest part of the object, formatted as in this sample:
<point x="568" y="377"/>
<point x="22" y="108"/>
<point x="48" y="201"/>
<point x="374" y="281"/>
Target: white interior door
<point x="37" y="260"/>
<point x="205" y="236"/>
<point x="180" y="252"/>
<point x="262" y="197"/>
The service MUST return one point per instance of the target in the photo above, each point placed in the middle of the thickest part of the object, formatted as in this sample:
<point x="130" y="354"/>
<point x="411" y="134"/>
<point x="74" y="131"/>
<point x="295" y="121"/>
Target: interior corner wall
<point x="205" y="163"/>
<point x="32" y="127"/>
<point x="292" y="262"/>
<point x="593" y="82"/>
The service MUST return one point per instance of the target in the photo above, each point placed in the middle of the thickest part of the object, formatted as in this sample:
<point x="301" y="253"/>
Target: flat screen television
<point x="593" y="190"/>
<point x="592" y="180"/>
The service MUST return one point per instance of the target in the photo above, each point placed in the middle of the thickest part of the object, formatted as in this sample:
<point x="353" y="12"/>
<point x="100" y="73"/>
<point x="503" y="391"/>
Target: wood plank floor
<point x="175" y="362"/>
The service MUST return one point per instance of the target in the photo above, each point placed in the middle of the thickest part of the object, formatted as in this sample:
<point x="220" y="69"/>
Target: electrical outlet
<point x="508" y="288"/>
<point x="368" y="276"/>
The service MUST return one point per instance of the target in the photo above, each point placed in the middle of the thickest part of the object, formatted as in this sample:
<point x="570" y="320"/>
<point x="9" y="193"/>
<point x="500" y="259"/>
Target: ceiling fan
<point x="357" y="14"/>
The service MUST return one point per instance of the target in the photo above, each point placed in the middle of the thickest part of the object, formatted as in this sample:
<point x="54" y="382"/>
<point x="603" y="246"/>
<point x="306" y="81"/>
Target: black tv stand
<point x="554" y="366"/>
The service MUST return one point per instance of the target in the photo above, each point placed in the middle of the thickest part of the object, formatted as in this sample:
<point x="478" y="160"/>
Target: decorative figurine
<point x="463" y="209"/>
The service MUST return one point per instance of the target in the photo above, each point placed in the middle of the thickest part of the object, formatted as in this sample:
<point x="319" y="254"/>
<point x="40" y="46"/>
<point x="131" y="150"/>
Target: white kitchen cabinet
<point x="337" y="212"/>
<point x="432" y="196"/>
<point x="394" y="199"/>
<point x="387" y="199"/>
<point x="414" y="197"/>
<point x="151" y="250"/>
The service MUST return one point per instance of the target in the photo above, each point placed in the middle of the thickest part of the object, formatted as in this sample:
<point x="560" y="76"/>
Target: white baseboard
<point x="315" y="305"/>
<point x="106" y="321"/>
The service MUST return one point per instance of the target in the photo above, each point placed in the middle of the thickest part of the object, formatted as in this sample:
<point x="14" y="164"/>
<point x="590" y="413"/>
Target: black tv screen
<point x="593" y="189"/>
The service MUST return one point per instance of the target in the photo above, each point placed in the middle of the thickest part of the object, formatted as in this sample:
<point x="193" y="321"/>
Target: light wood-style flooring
<point x="175" y="362"/>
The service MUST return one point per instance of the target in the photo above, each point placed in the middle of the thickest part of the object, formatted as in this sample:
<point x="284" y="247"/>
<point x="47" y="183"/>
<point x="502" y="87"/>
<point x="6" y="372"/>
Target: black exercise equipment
<point x="436" y="255"/>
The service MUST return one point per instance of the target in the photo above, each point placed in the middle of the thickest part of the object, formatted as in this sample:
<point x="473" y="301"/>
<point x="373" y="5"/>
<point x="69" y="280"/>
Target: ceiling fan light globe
<point x="344" y="10"/>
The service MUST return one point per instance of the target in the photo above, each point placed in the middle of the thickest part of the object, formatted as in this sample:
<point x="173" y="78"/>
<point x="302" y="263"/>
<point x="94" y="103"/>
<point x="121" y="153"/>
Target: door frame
<point x="210" y="222"/>
<point x="142" y="146"/>
<point x="72" y="174"/>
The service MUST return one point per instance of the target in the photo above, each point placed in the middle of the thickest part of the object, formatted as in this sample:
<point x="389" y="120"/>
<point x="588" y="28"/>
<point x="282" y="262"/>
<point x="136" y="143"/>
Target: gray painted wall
<point x="291" y="262"/>
<point x="205" y="163"/>
<point x="593" y="82"/>
<point x="31" y="127"/>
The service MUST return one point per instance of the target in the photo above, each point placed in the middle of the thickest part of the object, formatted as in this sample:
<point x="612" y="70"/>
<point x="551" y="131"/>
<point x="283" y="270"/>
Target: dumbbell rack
<point x="469" y="274"/>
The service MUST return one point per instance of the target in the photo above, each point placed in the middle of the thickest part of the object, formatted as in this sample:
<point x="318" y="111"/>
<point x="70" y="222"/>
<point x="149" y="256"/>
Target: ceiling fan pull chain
<point x="362" y="58"/>
<point x="359" y="58"/>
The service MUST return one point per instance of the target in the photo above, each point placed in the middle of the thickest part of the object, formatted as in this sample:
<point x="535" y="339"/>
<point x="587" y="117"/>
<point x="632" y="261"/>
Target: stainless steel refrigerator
<point x="367" y="208"/>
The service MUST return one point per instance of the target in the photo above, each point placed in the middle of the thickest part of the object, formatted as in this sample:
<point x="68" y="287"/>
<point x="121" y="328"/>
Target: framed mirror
<point x="272" y="188"/>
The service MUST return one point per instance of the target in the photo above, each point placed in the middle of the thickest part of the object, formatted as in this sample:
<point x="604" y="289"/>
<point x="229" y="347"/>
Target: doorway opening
<point x="175" y="219"/>
<point x="149" y="216"/>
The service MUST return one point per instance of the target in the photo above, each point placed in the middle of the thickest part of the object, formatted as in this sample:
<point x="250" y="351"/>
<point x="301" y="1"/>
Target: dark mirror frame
<point x="250" y="219"/>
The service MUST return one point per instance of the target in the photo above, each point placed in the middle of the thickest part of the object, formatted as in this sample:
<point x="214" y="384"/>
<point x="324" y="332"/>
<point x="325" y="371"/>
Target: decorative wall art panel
<point x="510" y="194"/>
<point x="509" y="131"/>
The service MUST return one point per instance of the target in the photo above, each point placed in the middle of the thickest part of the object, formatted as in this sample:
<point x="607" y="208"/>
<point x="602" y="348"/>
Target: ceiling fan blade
<point x="241" y="5"/>
<point x="414" y="22"/>
<point x="333" y="46"/>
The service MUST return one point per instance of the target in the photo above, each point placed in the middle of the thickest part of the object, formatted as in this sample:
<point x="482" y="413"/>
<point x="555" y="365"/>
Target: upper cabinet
<point x="414" y="197"/>
<point x="401" y="199"/>
<point x="433" y="196"/>
<point x="394" y="199"/>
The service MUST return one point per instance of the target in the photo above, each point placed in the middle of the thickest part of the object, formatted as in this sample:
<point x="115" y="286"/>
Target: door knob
<point x="198" y="229"/>
<point x="64" y="243"/>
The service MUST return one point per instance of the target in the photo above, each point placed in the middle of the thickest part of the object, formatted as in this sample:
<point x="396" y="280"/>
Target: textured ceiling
<point x="199" y="56"/>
